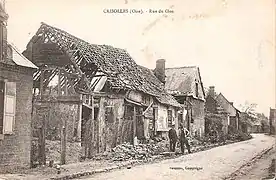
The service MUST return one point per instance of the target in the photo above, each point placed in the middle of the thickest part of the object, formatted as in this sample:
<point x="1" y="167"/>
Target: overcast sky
<point x="233" y="42"/>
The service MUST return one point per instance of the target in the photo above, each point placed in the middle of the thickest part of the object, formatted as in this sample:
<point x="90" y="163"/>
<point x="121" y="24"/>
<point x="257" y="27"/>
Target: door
<point x="2" y="95"/>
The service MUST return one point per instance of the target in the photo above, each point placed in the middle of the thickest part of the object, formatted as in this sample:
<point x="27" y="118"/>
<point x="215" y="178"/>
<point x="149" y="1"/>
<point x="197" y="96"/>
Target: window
<point x="196" y="90"/>
<point x="7" y="107"/>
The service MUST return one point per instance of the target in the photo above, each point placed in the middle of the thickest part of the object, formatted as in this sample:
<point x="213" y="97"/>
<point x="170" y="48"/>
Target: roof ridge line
<point x="182" y="67"/>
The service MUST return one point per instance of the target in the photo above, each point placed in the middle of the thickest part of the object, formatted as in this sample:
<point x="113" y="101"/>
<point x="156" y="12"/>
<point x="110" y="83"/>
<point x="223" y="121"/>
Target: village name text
<point x="137" y="11"/>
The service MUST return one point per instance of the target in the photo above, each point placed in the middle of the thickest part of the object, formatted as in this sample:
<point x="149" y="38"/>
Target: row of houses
<point x="64" y="88"/>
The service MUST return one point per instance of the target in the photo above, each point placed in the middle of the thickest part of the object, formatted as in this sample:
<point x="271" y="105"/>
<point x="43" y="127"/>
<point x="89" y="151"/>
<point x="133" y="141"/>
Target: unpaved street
<point x="212" y="164"/>
<point x="257" y="169"/>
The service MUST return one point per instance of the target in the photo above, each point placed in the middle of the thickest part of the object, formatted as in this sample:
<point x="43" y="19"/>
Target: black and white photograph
<point x="137" y="90"/>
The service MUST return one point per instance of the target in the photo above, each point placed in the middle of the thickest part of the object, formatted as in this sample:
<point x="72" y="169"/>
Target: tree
<point x="249" y="108"/>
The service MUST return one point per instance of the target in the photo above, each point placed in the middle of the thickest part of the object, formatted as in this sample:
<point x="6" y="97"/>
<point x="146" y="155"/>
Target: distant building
<point x="234" y="113"/>
<point x="272" y="120"/>
<point x="215" y="111"/>
<point x="185" y="84"/>
<point x="16" y="82"/>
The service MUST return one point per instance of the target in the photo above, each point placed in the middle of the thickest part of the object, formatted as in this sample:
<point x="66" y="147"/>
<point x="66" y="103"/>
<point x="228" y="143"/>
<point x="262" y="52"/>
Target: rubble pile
<point x="127" y="151"/>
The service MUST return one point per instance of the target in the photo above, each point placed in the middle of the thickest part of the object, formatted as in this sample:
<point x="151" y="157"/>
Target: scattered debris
<point x="127" y="151"/>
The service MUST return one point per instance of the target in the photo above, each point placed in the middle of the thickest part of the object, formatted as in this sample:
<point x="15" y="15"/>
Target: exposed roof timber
<point x="69" y="54"/>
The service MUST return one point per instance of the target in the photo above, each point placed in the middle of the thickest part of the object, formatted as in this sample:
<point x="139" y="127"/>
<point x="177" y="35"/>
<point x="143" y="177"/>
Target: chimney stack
<point x="3" y="30"/>
<point x="159" y="70"/>
<point x="212" y="91"/>
<point x="232" y="103"/>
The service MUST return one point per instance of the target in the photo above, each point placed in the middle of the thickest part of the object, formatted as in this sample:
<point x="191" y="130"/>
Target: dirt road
<point x="215" y="163"/>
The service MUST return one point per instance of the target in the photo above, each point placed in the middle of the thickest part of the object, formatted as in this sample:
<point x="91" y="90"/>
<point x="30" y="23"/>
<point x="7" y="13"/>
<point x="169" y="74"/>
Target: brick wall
<point x="15" y="148"/>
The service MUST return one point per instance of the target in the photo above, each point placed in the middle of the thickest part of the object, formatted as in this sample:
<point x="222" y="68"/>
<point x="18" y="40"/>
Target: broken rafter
<point x="69" y="54"/>
<point x="50" y="78"/>
<point x="147" y="108"/>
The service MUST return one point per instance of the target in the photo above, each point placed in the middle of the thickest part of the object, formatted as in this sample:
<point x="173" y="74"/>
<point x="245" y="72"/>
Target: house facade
<point x="234" y="113"/>
<point x="185" y="84"/>
<point x="96" y="92"/>
<point x="214" y="111"/>
<point x="16" y="84"/>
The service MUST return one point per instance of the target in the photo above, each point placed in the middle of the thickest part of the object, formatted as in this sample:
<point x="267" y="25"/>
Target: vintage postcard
<point x="137" y="89"/>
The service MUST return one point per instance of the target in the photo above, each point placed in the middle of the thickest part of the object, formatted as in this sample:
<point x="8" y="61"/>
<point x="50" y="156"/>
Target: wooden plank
<point x="101" y="109"/>
<point x="63" y="140"/>
<point x="91" y="142"/>
<point x="63" y="145"/>
<point x="80" y="120"/>
<point x="66" y="84"/>
<point x="147" y="108"/>
<point x="134" y="124"/>
<point x="41" y="83"/>
<point x="59" y="81"/>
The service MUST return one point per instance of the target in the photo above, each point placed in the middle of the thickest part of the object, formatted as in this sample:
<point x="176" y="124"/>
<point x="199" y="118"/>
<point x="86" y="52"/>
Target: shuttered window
<point x="9" y="107"/>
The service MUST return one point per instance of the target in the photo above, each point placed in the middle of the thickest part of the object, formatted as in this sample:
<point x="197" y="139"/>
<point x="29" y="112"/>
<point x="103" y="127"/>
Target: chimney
<point x="232" y="103"/>
<point x="212" y="91"/>
<point x="3" y="31"/>
<point x="159" y="70"/>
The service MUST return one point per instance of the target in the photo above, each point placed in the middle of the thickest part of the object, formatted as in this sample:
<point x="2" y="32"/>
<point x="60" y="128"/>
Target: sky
<point x="232" y="42"/>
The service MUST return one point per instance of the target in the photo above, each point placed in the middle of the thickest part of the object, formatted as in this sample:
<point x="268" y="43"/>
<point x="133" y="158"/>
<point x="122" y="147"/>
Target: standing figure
<point x="173" y="138"/>
<point x="183" y="139"/>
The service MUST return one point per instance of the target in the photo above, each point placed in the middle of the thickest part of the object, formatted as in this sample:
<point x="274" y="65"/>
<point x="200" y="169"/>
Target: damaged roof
<point x="182" y="81"/>
<point x="164" y="98"/>
<point x="121" y="70"/>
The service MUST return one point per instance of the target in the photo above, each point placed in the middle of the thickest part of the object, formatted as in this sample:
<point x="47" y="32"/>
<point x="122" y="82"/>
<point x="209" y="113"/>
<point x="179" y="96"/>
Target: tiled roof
<point x="120" y="68"/>
<point x="164" y="98"/>
<point x="181" y="81"/>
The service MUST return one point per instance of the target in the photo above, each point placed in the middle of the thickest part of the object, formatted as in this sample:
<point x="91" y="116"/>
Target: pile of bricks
<point x="127" y="151"/>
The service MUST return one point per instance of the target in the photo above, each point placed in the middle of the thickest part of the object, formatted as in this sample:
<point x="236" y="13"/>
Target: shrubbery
<point x="214" y="131"/>
<point x="234" y="134"/>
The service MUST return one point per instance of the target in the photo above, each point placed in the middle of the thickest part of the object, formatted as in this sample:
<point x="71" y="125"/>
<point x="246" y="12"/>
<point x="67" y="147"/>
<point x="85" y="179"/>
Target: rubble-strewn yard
<point x="53" y="149"/>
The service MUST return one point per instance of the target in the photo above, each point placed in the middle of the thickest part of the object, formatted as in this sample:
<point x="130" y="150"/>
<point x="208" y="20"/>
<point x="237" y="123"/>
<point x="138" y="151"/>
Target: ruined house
<point x="94" y="91"/>
<point x="16" y="84"/>
<point x="234" y="113"/>
<point x="215" y="112"/>
<point x="185" y="84"/>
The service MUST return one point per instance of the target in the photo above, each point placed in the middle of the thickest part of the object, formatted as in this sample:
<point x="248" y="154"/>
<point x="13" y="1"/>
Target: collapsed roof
<point x="89" y="60"/>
